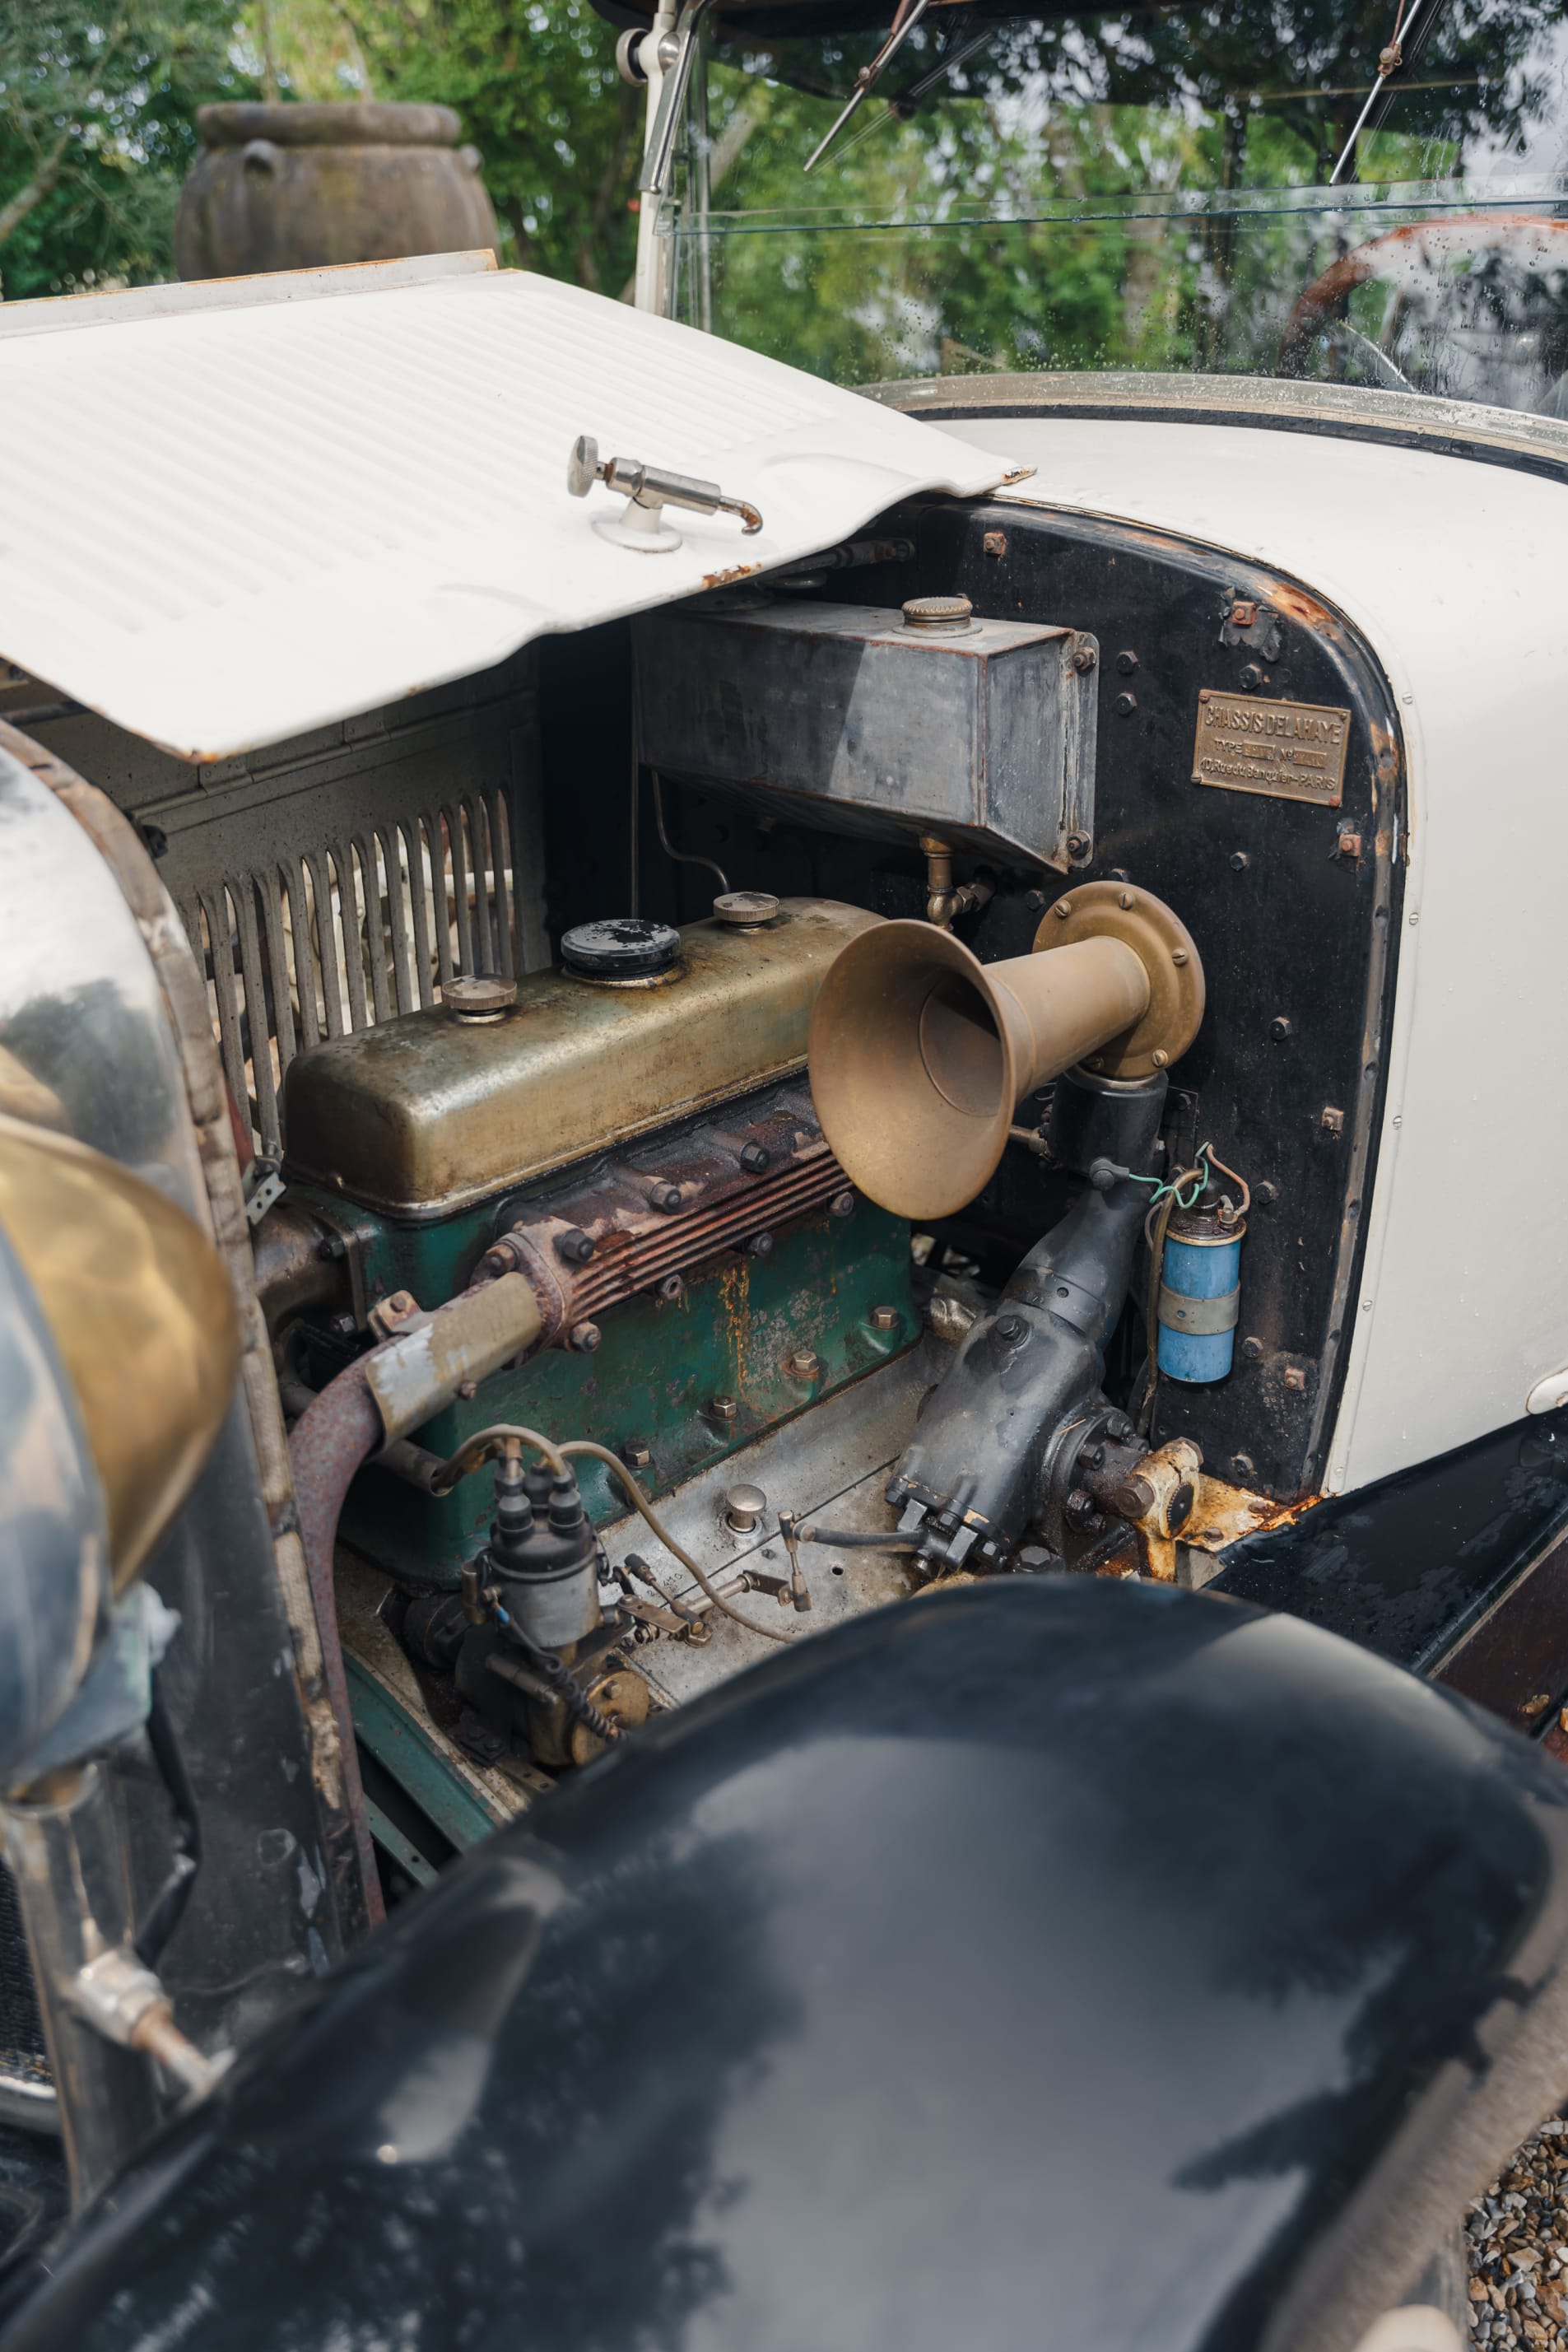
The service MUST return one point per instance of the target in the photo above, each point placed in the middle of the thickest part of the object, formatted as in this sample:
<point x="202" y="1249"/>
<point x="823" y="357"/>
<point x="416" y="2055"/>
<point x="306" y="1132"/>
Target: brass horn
<point x="919" y="1054"/>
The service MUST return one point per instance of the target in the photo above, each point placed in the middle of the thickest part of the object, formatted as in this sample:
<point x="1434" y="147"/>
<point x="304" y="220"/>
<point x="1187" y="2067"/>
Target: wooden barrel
<point x="301" y="187"/>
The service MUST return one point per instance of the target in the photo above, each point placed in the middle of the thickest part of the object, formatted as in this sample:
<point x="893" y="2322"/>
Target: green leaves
<point x="96" y="132"/>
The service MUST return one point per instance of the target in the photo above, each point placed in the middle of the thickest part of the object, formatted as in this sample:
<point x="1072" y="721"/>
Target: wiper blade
<point x="1388" y="65"/>
<point x="910" y="12"/>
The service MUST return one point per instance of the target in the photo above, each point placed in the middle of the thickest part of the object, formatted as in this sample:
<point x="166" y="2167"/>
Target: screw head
<point x="724" y="1408"/>
<point x="1295" y="1379"/>
<point x="1242" y="1466"/>
<point x="883" y="1319"/>
<point x="995" y="542"/>
<point x="1159" y="1057"/>
<point x="1034" y="900"/>
<point x="1078" y="844"/>
<point x="802" y="1363"/>
<point x="1280" y="1027"/>
<point x="1125" y="899"/>
<point x="1033" y="1559"/>
<point x="637" y="1454"/>
<point x="1265" y="1194"/>
<point x="585" y="1338"/>
<point x="1124" y="705"/>
<point x="671" y="1288"/>
<point x="754" y="1159"/>
<point x="1128" y="662"/>
<point x="1253" y="1350"/>
<point x="1084" y="659"/>
<point x="756" y="1245"/>
<point x="1240" y="861"/>
<point x="1062" y="908"/>
<point x="1080" y="1506"/>
<point x="842" y="1204"/>
<point x="574" y="1246"/>
<point x="1251" y="679"/>
<point x="1179" y="955"/>
<point x="1010" y="1327"/>
<point x="665" y="1196"/>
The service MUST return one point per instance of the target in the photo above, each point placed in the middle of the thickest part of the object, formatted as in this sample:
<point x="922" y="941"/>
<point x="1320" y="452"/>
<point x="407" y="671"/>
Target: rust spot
<point x="735" y="571"/>
<point x="1307" y="611"/>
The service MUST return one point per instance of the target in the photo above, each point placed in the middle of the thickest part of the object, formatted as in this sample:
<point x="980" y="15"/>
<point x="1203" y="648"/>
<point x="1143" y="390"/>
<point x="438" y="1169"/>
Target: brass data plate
<point x="1294" y="750"/>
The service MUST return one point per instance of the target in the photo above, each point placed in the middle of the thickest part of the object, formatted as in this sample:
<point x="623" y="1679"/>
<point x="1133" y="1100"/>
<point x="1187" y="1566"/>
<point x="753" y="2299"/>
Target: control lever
<point x="647" y="490"/>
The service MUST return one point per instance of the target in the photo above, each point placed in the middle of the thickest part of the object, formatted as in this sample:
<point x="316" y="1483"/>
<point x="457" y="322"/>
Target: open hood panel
<point x="231" y="517"/>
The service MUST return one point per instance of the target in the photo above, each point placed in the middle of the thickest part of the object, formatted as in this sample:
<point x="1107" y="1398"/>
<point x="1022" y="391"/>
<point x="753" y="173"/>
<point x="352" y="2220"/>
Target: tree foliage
<point x="98" y="101"/>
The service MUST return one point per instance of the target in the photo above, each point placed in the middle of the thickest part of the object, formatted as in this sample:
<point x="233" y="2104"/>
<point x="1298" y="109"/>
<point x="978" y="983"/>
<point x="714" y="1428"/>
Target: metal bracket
<point x="647" y="490"/>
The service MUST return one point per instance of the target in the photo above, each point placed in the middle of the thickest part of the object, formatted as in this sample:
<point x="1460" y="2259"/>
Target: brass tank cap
<point x="478" y="996"/>
<point x="746" y="910"/>
<point x="624" y="948"/>
<point x="934" y="613"/>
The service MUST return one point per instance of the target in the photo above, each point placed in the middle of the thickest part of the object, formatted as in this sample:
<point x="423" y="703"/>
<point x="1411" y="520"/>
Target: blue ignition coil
<point x="1199" y="1290"/>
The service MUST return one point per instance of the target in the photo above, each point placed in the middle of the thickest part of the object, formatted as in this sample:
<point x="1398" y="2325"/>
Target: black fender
<point x="1053" y="1962"/>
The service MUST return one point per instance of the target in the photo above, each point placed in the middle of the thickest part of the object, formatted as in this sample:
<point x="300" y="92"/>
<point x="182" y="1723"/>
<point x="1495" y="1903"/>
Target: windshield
<point x="1149" y="189"/>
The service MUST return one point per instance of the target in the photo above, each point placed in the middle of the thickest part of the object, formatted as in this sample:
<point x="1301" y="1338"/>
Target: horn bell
<point x="919" y="1054"/>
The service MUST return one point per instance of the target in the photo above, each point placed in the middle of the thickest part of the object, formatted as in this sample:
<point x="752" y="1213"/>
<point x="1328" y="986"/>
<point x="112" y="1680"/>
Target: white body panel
<point x="1458" y="575"/>
<point x="233" y="522"/>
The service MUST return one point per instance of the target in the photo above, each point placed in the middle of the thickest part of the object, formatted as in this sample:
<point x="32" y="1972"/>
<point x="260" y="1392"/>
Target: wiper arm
<point x="907" y="101"/>
<point x="1388" y="65"/>
<point x="910" y="12"/>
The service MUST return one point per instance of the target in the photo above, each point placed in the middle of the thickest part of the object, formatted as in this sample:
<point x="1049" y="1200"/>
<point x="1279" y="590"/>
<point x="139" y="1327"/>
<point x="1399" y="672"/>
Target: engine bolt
<point x="883" y="1319"/>
<point x="1009" y="1328"/>
<point x="1253" y="1350"/>
<point x="842" y="1204"/>
<point x="637" y="1454"/>
<point x="665" y="1197"/>
<point x="1085" y="658"/>
<point x="1080" y="1506"/>
<point x="1124" y="705"/>
<point x="803" y="1364"/>
<point x="758" y="1245"/>
<point x="753" y="1158"/>
<point x="671" y="1288"/>
<point x="1127" y="663"/>
<point x="724" y="1408"/>
<point x="574" y="1246"/>
<point x="1280" y="1028"/>
<point x="585" y="1338"/>
<point x="1133" y="1497"/>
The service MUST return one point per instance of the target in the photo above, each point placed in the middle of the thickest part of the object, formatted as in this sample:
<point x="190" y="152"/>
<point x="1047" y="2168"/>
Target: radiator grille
<point x="341" y="932"/>
<point x="21" y="2029"/>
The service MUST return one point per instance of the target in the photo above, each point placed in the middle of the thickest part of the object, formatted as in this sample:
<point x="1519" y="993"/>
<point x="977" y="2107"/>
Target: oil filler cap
<point x="623" y="947"/>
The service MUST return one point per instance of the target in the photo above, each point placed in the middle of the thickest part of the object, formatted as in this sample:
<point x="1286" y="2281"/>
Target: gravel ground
<point x="1517" y="2242"/>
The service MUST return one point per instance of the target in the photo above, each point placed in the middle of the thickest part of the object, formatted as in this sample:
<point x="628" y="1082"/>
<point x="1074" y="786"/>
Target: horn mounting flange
<point x="1163" y="944"/>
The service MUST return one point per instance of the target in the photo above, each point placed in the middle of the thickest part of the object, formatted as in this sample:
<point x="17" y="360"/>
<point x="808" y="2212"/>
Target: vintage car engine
<point x="733" y="1203"/>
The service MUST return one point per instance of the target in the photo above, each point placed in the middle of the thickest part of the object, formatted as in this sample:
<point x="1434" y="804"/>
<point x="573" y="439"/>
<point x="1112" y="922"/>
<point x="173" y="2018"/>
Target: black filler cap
<point x="623" y="947"/>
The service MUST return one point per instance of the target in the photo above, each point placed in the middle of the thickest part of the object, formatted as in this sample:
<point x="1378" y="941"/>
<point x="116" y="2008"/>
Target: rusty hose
<point x="332" y="1439"/>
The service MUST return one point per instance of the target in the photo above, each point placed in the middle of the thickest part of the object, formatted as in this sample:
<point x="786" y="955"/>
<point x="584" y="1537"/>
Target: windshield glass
<point x="1149" y="189"/>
